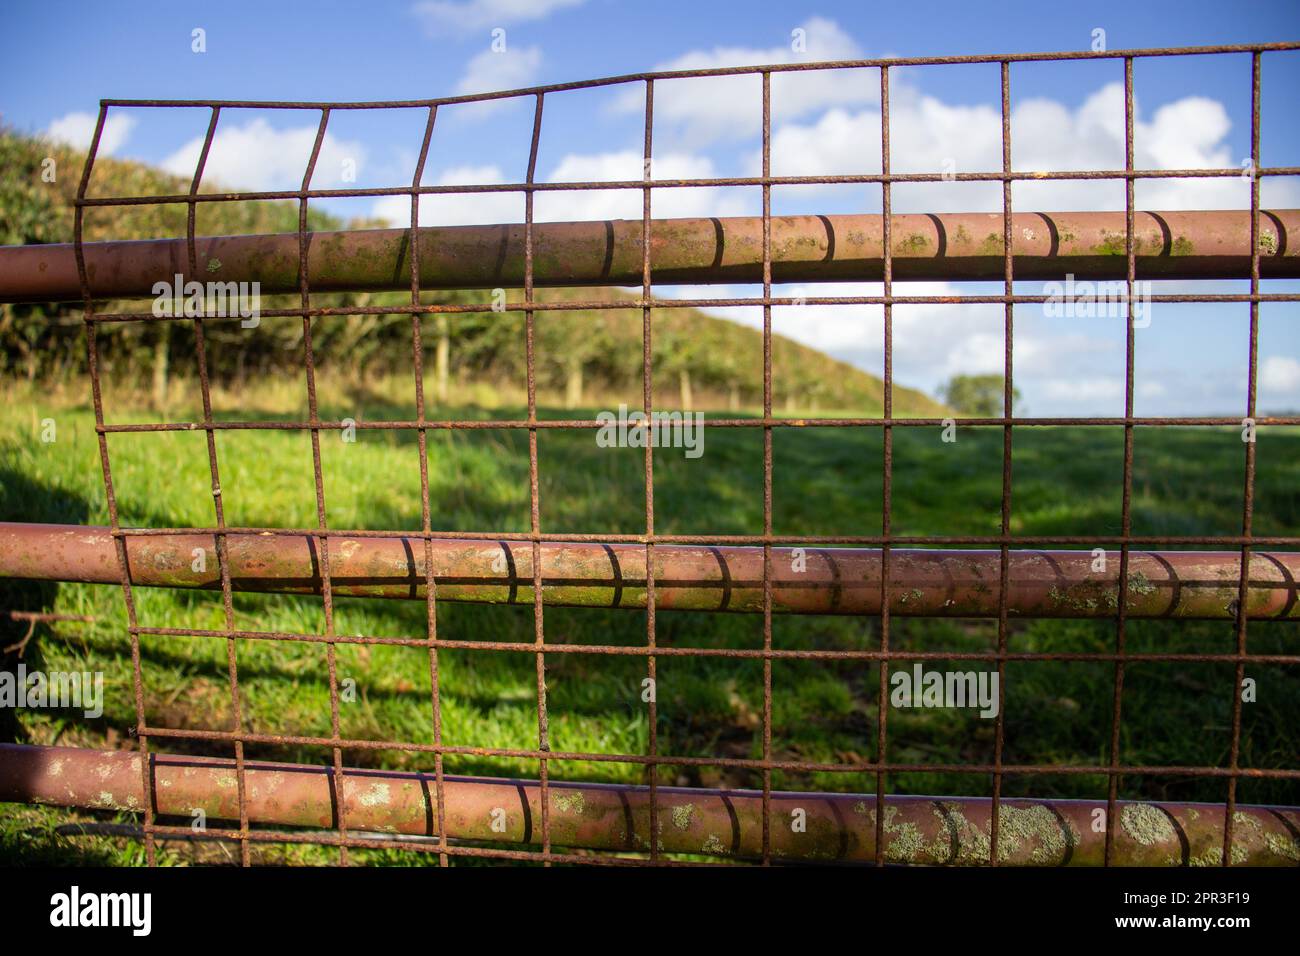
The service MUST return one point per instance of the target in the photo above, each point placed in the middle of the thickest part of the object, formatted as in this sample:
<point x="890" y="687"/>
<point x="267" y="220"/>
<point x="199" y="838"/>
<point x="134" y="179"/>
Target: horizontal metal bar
<point x="953" y="246"/>
<point x="987" y="540"/>
<point x="659" y="302"/>
<point x="991" y="656"/>
<point x="614" y="817"/>
<point x="843" y="179"/>
<point x="755" y="69"/>
<point x="932" y="583"/>
<point x="862" y="766"/>
<point x="567" y="424"/>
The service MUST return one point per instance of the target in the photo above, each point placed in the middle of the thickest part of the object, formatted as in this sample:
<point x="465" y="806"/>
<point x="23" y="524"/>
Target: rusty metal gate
<point x="1241" y="577"/>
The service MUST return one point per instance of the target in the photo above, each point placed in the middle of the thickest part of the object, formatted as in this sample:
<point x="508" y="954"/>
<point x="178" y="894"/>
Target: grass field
<point x="826" y="481"/>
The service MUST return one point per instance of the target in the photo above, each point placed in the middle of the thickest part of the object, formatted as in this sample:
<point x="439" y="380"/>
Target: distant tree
<point x="681" y="350"/>
<point x="568" y="346"/>
<point x="979" y="396"/>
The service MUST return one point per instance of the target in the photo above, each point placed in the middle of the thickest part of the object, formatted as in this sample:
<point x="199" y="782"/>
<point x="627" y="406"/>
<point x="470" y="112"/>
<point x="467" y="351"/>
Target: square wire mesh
<point x="321" y="535"/>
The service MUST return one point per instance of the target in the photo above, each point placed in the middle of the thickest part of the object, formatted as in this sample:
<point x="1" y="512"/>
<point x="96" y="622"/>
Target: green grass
<point x="826" y="481"/>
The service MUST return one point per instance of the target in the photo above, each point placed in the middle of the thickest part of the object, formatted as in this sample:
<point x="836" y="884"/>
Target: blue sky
<point x="58" y="60"/>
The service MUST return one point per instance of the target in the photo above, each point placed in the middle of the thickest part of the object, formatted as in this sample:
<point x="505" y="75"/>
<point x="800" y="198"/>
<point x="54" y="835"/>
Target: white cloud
<point x="1084" y="389"/>
<point x="1280" y="374"/>
<point x="450" y="209"/>
<point x="462" y="17"/>
<point x="564" y="205"/>
<point x="705" y="109"/>
<point x="488" y="72"/>
<point x="1189" y="133"/>
<point x="77" y="130"/>
<point x="457" y="209"/>
<point x="927" y="135"/>
<point x="259" y="157"/>
<point x="1058" y="370"/>
<point x="930" y="342"/>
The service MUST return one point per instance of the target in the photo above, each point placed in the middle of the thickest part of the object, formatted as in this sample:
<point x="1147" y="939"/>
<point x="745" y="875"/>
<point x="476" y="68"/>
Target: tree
<point x="567" y="345"/>
<point x="979" y="396"/>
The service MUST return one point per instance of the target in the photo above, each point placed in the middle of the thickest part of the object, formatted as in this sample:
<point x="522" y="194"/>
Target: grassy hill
<point x="700" y="361"/>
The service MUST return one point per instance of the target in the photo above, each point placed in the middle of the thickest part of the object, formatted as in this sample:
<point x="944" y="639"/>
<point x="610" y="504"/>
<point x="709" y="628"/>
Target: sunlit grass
<point x="1065" y="481"/>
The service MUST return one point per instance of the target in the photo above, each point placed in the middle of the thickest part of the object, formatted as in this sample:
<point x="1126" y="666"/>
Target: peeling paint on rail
<point x="954" y="583"/>
<point x="717" y="823"/>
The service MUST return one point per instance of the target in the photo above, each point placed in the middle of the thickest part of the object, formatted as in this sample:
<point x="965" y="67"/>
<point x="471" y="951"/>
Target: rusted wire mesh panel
<point x="1240" y="577"/>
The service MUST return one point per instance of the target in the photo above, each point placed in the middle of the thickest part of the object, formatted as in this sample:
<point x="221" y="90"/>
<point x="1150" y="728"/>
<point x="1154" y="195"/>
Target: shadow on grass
<point x="22" y="499"/>
<point x="1065" y="481"/>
